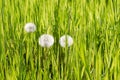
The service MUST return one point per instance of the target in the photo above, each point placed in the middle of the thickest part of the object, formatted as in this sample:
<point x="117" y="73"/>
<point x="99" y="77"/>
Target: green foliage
<point x="93" y="24"/>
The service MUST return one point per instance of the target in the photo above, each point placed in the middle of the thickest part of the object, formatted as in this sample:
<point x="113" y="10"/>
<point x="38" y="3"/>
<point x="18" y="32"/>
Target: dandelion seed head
<point x="46" y="40"/>
<point x="30" y="27"/>
<point x="66" y="40"/>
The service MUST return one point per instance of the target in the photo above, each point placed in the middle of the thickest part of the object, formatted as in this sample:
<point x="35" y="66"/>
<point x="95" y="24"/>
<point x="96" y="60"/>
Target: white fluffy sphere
<point x="46" y="40"/>
<point x="66" y="40"/>
<point x="30" y="27"/>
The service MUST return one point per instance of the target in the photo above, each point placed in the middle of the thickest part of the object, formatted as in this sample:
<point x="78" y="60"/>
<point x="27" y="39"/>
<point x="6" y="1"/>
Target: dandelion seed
<point x="46" y="40"/>
<point x="30" y="27"/>
<point x="66" y="40"/>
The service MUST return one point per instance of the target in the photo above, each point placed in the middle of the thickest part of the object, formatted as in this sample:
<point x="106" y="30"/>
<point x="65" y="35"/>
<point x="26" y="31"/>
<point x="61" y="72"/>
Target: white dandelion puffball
<point x="66" y="40"/>
<point x="30" y="27"/>
<point x="46" y="40"/>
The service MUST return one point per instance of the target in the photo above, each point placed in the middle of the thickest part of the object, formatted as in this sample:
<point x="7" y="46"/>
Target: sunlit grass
<point x="94" y="26"/>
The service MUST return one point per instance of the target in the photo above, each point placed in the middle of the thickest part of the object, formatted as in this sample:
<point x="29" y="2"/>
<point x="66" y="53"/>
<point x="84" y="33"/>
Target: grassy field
<point x="94" y="26"/>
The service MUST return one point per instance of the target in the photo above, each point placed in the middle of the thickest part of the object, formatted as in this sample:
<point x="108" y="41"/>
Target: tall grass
<point x="93" y="24"/>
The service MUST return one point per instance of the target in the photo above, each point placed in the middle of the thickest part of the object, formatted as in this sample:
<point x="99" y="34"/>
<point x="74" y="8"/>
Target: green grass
<point x="93" y="24"/>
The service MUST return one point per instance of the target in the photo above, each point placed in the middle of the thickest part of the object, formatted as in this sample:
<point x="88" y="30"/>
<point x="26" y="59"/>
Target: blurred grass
<point x="93" y="24"/>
